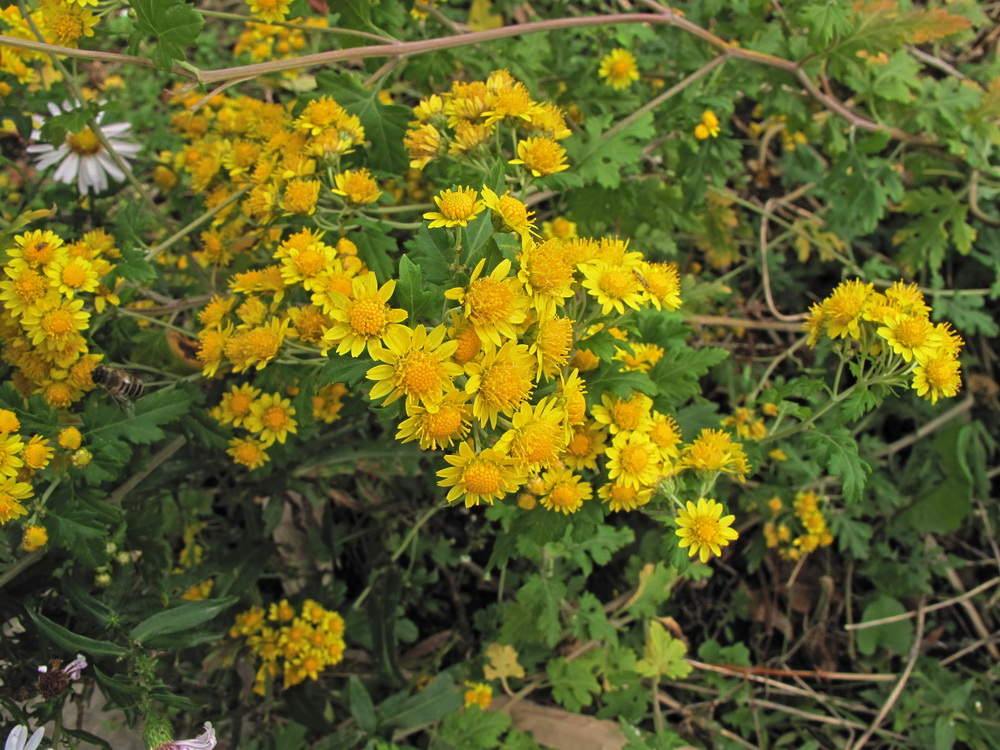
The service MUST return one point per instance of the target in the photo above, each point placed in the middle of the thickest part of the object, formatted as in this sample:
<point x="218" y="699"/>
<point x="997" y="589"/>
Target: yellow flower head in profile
<point x="494" y="304"/>
<point x="456" y="208"/>
<point x="12" y="493"/>
<point x="479" y="477"/>
<point x="509" y="214"/>
<point x="619" y="69"/>
<point x="708" y="127"/>
<point x="9" y="421"/>
<point x="714" y="450"/>
<point x="35" y="537"/>
<point x="364" y="319"/>
<point x="541" y="156"/>
<point x="359" y="187"/>
<point x="704" y="530"/>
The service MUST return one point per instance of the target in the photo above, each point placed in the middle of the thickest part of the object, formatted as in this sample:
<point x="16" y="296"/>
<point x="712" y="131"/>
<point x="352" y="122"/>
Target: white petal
<point x="115" y="129"/>
<point x="40" y="148"/>
<point x="16" y="738"/>
<point x="54" y="109"/>
<point x="107" y="165"/>
<point x="68" y="169"/>
<point x="91" y="175"/>
<point x="124" y="148"/>
<point x="53" y="157"/>
<point x="36" y="739"/>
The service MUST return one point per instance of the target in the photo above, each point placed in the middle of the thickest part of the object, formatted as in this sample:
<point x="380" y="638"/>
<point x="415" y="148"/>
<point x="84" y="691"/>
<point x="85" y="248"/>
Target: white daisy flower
<point x="82" y="156"/>
<point x="204" y="741"/>
<point x="18" y="738"/>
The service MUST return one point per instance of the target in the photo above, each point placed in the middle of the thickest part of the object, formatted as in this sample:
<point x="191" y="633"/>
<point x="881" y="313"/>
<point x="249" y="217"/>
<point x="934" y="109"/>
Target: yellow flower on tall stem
<point x="479" y="477"/>
<point x="704" y="530"/>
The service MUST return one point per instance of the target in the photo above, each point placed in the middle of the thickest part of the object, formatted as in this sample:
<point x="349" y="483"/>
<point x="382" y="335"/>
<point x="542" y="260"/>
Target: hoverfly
<point x="120" y="385"/>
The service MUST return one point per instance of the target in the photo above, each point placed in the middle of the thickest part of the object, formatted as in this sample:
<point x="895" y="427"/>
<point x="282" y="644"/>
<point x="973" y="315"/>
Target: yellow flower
<point x="547" y="275"/>
<point x="641" y="358"/>
<point x="26" y="287"/>
<point x="501" y="381"/>
<point x="35" y="537"/>
<point x="911" y="336"/>
<point x="564" y="491"/>
<point x="12" y="493"/>
<point x="67" y="22"/>
<point x="585" y="445"/>
<point x="365" y="318"/>
<point x="271" y="418"/>
<point x="619" y="69"/>
<point x="70" y="275"/>
<point x="439" y="427"/>
<point x="423" y="143"/>
<point x="624" y="416"/>
<point x="69" y="438"/>
<point x="572" y="393"/>
<point x="494" y="304"/>
<point x="359" y="187"/>
<point x="53" y="323"/>
<point x="666" y="436"/>
<point x="614" y="285"/>
<point x="661" y="284"/>
<point x="256" y="346"/>
<point x="479" y="694"/>
<point x="703" y="529"/>
<point x="38" y="248"/>
<point x="843" y="310"/>
<point x="551" y="346"/>
<point x="415" y="365"/>
<point x="509" y="214"/>
<point x="938" y="376"/>
<point x="456" y="208"/>
<point x="541" y="156"/>
<point x="269" y="10"/>
<point x="559" y="228"/>
<point x="633" y="460"/>
<point x="536" y="438"/>
<point x="907" y="299"/>
<point x="708" y="127"/>
<point x="9" y="421"/>
<point x="479" y="477"/>
<point x="10" y="458"/>
<point x="714" y="450"/>
<point x="247" y="452"/>
<point x="300" y="197"/>
<point x="37" y="453"/>
<point x="621" y="497"/>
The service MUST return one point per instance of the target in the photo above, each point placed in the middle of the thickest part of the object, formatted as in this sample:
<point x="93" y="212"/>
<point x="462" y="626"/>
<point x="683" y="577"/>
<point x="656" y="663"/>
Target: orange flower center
<point x="705" y="529"/>
<point x="634" y="458"/>
<point x="74" y="275"/>
<point x="30" y="286"/>
<point x="505" y="385"/>
<point x="616" y="283"/>
<point x="622" y="494"/>
<point x="939" y="372"/>
<point x="469" y="344"/>
<point x="912" y="332"/>
<point x="240" y="404"/>
<point x="481" y="477"/>
<point x="310" y="262"/>
<point x="457" y="205"/>
<point x="563" y="495"/>
<point x="419" y="373"/>
<point x="58" y="324"/>
<point x="489" y="301"/>
<point x="580" y="445"/>
<point x="368" y="317"/>
<point x="627" y="414"/>
<point x="444" y="423"/>
<point x="275" y="419"/>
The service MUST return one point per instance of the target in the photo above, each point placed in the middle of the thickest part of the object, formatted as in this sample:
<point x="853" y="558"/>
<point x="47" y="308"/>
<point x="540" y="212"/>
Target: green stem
<point x="185" y="231"/>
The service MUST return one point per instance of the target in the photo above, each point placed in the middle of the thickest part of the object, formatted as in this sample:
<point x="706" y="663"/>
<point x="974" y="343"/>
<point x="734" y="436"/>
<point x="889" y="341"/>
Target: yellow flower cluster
<point x="292" y="645"/>
<point x="60" y="22"/>
<point x="47" y="290"/>
<point x="190" y="556"/>
<point x="262" y="42"/>
<point x="806" y="509"/>
<point x="463" y="123"/>
<point x="20" y="461"/>
<point x="894" y="326"/>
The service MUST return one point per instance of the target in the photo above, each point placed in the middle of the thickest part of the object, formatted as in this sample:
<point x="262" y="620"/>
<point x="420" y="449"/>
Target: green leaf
<point x="72" y="643"/>
<point x="573" y="683"/>
<point x="362" y="708"/>
<point x="542" y="598"/>
<point x="473" y="729"/>
<point x="835" y="449"/>
<point x="678" y="373"/>
<point x="825" y="20"/>
<point x="133" y="266"/>
<point x="183" y="617"/>
<point x="609" y="377"/>
<point x="174" y="23"/>
<point x="376" y="249"/>
<point x="55" y="127"/>
<point x="344" y="369"/>
<point x="663" y="655"/>
<point x="413" y="295"/>
<point x="853" y="536"/>
<point x="437" y="700"/>
<point x="599" y="158"/>
<point x="434" y="252"/>
<point x="894" y="636"/>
